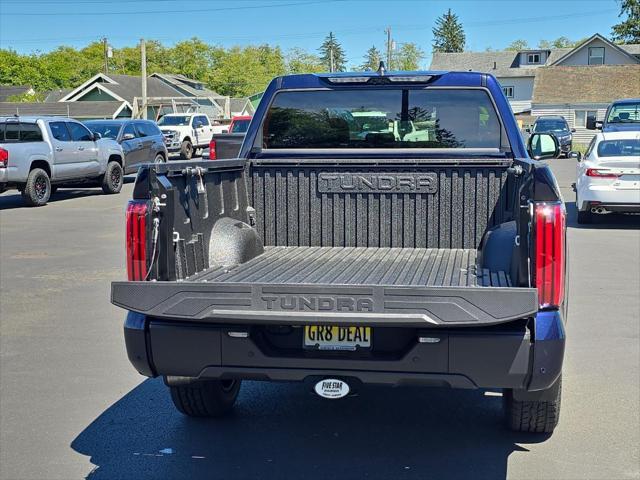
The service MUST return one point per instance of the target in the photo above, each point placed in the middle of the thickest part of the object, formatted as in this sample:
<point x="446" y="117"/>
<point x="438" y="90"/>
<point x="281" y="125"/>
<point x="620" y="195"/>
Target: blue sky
<point x="42" y="25"/>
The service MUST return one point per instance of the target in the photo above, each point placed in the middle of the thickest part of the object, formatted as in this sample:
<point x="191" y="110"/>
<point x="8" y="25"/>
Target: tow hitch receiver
<point x="332" y="388"/>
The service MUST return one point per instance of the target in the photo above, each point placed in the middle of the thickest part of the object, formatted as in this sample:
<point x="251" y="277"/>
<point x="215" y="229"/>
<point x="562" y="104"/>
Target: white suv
<point x="186" y="133"/>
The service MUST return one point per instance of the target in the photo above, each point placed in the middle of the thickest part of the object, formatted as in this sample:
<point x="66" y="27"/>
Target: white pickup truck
<point x="186" y="133"/>
<point x="40" y="154"/>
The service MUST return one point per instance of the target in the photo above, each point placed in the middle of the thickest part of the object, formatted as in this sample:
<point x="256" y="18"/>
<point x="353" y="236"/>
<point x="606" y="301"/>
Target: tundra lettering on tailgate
<point x="388" y="182"/>
<point x="314" y="303"/>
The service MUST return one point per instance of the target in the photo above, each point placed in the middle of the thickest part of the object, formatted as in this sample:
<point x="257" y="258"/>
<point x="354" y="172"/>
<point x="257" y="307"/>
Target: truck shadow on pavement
<point x="283" y="431"/>
<point x="612" y="220"/>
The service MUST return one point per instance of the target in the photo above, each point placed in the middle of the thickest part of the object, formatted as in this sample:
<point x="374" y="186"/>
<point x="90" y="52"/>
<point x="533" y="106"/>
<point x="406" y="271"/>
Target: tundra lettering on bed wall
<point x="378" y="183"/>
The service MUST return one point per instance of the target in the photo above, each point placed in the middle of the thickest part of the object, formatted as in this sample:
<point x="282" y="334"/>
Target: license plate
<point x="322" y="337"/>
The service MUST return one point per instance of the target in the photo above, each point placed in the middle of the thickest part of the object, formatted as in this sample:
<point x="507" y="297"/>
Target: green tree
<point x="560" y="42"/>
<point x="301" y="61"/>
<point x="518" y="45"/>
<point x="408" y="57"/>
<point x="448" y="34"/>
<point x="332" y="54"/>
<point x="371" y="60"/>
<point x="628" y="30"/>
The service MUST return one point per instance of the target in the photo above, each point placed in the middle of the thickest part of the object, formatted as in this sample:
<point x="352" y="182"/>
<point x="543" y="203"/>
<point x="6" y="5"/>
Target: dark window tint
<point x="105" y="129"/>
<point x="147" y="129"/>
<point x="240" y="126"/>
<point x="129" y="129"/>
<point x="12" y="132"/>
<point x="30" y="132"/>
<point x="619" y="148"/>
<point x="59" y="131"/>
<point x="79" y="133"/>
<point x="389" y="118"/>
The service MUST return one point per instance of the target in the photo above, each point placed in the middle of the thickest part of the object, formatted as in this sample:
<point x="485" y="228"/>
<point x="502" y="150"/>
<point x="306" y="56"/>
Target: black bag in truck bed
<point x="339" y="285"/>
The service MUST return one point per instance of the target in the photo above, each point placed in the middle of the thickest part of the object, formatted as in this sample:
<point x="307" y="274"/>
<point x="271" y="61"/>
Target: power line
<point x="164" y="12"/>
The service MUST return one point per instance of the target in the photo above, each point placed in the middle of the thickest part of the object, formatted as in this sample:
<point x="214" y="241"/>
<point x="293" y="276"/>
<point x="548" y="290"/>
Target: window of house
<point x="582" y="115"/>
<point x="533" y="58"/>
<point x="596" y="55"/>
<point x="508" y="92"/>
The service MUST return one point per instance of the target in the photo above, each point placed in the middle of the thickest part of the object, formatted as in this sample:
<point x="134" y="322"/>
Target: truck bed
<point x="360" y="266"/>
<point x="338" y="286"/>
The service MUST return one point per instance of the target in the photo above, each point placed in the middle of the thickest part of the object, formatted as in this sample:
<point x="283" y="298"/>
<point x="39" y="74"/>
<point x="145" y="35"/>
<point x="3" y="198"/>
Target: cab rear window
<point x="382" y="118"/>
<point x="20" y="132"/>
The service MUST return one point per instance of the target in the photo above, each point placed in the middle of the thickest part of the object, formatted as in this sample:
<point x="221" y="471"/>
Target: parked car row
<point x="40" y="154"/>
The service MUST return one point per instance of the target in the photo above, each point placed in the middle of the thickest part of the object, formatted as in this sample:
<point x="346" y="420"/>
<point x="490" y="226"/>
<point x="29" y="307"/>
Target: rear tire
<point x="585" y="217"/>
<point x="533" y="416"/>
<point x="186" y="150"/>
<point x="205" y="398"/>
<point x="113" y="178"/>
<point x="37" y="190"/>
<point x="159" y="159"/>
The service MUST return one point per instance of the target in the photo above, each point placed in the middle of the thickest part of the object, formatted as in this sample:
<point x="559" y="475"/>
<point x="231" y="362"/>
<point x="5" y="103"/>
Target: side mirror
<point x="542" y="146"/>
<point x="128" y="136"/>
<point x="599" y="124"/>
<point x="573" y="130"/>
<point x="528" y="130"/>
<point x="576" y="155"/>
<point x="96" y="136"/>
<point x="591" y="123"/>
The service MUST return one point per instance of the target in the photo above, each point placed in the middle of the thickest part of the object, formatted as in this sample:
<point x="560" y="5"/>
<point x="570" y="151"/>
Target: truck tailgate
<point x="338" y="285"/>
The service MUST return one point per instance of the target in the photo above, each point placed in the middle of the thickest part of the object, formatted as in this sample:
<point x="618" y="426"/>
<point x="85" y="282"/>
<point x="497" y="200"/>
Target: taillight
<point x="4" y="158"/>
<point x="550" y="253"/>
<point x="212" y="150"/>
<point x="136" y="240"/>
<point x="601" y="173"/>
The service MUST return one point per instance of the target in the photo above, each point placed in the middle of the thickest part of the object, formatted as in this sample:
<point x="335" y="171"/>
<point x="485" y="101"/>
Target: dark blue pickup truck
<point x="379" y="228"/>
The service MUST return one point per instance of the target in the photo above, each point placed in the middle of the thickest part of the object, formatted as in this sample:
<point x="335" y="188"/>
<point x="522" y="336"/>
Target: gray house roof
<point x="94" y="109"/>
<point x="56" y="95"/>
<point x="187" y="85"/>
<point x="500" y="64"/>
<point x="506" y="63"/>
<point x="126" y="87"/>
<point x="7" y="91"/>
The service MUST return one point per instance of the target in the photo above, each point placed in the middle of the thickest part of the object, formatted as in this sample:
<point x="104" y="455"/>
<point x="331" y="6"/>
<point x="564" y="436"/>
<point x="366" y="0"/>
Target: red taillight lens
<point x="601" y="173"/>
<point x="4" y="158"/>
<point x="212" y="150"/>
<point x="136" y="240"/>
<point x="550" y="253"/>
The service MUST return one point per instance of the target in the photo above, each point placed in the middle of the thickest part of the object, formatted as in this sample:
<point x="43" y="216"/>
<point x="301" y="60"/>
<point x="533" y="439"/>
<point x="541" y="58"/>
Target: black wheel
<point x="534" y="416"/>
<point x="585" y="217"/>
<point x="186" y="150"/>
<point x="37" y="190"/>
<point x="113" y="178"/>
<point x="205" y="398"/>
<point x="159" y="159"/>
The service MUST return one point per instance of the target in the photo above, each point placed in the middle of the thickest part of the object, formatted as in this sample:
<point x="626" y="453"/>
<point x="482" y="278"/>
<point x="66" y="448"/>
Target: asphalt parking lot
<point x="71" y="406"/>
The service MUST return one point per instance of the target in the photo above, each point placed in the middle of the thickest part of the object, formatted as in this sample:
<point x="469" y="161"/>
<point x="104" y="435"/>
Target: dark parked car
<point x="141" y="140"/>
<point x="557" y="125"/>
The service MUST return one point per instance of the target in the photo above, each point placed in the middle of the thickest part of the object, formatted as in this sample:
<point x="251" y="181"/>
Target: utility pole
<point x="143" y="68"/>
<point x="388" y="30"/>
<point x="105" y="47"/>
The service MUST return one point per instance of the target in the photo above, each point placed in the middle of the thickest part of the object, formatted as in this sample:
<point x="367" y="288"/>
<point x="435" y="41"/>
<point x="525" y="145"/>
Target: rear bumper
<point x="619" y="200"/>
<point x="508" y="356"/>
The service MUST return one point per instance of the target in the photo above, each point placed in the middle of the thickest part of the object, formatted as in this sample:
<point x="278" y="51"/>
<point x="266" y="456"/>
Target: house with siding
<point x="517" y="71"/>
<point x="577" y="93"/>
